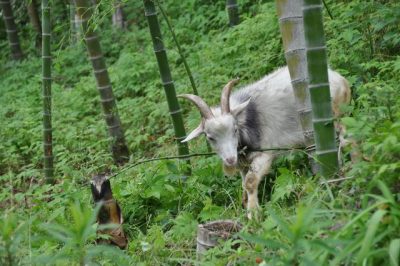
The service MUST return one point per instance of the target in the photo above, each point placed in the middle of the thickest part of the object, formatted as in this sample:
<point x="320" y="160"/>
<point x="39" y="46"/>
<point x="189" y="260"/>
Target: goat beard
<point x="229" y="170"/>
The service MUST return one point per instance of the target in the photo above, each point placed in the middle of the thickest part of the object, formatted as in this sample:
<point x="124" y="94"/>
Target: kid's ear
<point x="238" y="109"/>
<point x="194" y="134"/>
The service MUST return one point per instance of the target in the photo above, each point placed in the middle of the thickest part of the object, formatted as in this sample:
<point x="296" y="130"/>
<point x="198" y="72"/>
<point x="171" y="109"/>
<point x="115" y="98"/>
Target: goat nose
<point x="231" y="160"/>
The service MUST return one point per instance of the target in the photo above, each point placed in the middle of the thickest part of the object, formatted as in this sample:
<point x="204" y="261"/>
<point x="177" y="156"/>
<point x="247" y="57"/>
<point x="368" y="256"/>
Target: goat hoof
<point x="244" y="199"/>
<point x="255" y="214"/>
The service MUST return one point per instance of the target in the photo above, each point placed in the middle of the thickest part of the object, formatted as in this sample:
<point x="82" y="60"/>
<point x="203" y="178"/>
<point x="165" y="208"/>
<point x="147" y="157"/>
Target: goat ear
<point x="195" y="133"/>
<point x="240" y="108"/>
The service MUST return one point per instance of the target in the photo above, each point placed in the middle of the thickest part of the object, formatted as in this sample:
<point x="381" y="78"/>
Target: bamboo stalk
<point x="185" y="64"/>
<point x="72" y="23"/>
<point x="35" y="21"/>
<point x="291" y="25"/>
<point x="110" y="112"/>
<point x="12" y="31"/>
<point x="46" y="87"/>
<point x="188" y="71"/>
<point x="326" y="148"/>
<point x="118" y="15"/>
<point x="33" y="16"/>
<point x="166" y="78"/>
<point x="233" y="12"/>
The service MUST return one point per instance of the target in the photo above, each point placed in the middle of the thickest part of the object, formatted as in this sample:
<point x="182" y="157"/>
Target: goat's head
<point x="219" y="125"/>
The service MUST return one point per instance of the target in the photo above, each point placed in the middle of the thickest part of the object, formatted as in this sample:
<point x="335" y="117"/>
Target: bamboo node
<point x="94" y="36"/>
<point x="165" y="83"/>
<point x="149" y="14"/>
<point x="323" y="120"/>
<point x="318" y="85"/>
<point x="326" y="151"/>
<point x="299" y="81"/>
<point x="96" y="57"/>
<point x="311" y="7"/>
<point x="291" y="18"/>
<point x="175" y="112"/>
<point x="113" y="126"/>
<point x="299" y="51"/>
<point x="108" y="115"/>
<point x="100" y="71"/>
<point x="107" y="100"/>
<point x="104" y="87"/>
<point x="316" y="48"/>
<point x="46" y="34"/>
<point x="159" y="49"/>
<point x="10" y="31"/>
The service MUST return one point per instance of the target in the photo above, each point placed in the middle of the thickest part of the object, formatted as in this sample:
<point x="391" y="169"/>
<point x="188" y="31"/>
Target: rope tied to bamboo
<point x="243" y="152"/>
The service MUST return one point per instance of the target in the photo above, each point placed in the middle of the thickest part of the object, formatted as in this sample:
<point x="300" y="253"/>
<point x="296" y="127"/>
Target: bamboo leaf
<point x="361" y="214"/>
<point x="394" y="252"/>
<point x="386" y="192"/>
<point x="368" y="241"/>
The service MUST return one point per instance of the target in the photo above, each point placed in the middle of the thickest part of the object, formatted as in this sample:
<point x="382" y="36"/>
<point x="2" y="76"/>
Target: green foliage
<point x="306" y="221"/>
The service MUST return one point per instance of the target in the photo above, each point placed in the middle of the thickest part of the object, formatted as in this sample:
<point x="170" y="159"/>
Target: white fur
<point x="278" y="124"/>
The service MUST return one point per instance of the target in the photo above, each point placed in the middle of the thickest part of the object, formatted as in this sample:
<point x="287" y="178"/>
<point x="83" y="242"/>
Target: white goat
<point x="260" y="115"/>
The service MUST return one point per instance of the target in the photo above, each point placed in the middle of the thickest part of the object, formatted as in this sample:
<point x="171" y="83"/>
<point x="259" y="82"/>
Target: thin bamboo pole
<point x="46" y="87"/>
<point x="12" y="31"/>
<point x="166" y="78"/>
<point x="233" y="12"/>
<point x="118" y="147"/>
<point x="326" y="149"/>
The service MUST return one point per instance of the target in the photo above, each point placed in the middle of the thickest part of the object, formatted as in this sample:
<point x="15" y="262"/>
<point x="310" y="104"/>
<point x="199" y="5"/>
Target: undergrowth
<point x="306" y="220"/>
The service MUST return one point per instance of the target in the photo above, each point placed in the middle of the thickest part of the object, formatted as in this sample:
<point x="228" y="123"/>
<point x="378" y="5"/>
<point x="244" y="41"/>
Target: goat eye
<point x="211" y="139"/>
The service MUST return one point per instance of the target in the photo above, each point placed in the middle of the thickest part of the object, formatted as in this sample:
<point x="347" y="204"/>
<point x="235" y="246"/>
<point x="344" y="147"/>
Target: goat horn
<point x="204" y="109"/>
<point x="226" y="92"/>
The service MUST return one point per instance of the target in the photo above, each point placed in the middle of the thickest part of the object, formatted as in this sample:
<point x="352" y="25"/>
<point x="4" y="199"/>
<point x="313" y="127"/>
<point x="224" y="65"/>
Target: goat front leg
<point x="259" y="166"/>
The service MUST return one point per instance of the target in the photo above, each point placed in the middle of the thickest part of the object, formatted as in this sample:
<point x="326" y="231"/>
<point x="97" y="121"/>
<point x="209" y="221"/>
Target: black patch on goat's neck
<point x="250" y="128"/>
